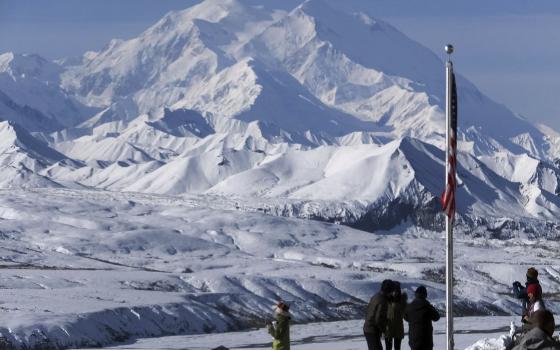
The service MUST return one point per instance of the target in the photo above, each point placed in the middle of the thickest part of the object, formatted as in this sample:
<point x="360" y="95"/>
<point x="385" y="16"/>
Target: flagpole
<point x="448" y="220"/>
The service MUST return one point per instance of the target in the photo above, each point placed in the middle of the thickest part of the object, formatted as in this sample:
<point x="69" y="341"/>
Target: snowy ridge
<point x="24" y="158"/>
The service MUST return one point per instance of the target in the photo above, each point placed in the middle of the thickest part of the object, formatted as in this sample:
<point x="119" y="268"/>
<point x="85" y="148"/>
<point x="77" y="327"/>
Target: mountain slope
<point x="392" y="80"/>
<point x="23" y="158"/>
<point x="30" y="94"/>
<point x="195" y="59"/>
<point x="176" y="54"/>
<point x="405" y="168"/>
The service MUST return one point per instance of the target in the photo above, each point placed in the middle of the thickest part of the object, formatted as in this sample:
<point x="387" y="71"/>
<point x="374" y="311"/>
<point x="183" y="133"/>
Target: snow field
<point x="90" y="268"/>
<point x="342" y="335"/>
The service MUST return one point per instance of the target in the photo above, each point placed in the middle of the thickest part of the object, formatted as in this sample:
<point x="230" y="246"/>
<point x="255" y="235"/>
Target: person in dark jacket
<point x="419" y="314"/>
<point x="395" y="313"/>
<point x="540" y="337"/>
<point x="376" y="316"/>
<point x="520" y="292"/>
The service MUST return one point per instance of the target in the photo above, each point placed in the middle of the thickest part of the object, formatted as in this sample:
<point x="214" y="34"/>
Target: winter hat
<point x="532" y="273"/>
<point x="283" y="306"/>
<point x="534" y="289"/>
<point x="421" y="292"/>
<point x="396" y="286"/>
<point x="387" y="286"/>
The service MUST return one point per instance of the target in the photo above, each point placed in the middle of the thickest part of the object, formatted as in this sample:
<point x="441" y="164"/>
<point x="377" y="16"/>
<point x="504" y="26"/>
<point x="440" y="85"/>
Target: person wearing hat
<point x="534" y="295"/>
<point x="419" y="314"/>
<point x="395" y="313"/>
<point x="280" y="330"/>
<point x="376" y="316"/>
<point x="521" y="293"/>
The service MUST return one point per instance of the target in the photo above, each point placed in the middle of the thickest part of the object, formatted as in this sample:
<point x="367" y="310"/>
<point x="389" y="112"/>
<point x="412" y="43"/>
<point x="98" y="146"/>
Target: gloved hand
<point x="517" y="284"/>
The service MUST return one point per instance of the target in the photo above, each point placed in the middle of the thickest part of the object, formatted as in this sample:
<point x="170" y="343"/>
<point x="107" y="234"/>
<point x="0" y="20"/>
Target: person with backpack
<point x="419" y="314"/>
<point x="540" y="336"/>
<point x="376" y="316"/>
<point x="534" y="307"/>
<point x="395" y="314"/>
<point x="280" y="329"/>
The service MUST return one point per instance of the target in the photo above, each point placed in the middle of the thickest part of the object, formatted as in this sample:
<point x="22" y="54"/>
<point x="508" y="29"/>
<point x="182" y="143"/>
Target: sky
<point x="509" y="49"/>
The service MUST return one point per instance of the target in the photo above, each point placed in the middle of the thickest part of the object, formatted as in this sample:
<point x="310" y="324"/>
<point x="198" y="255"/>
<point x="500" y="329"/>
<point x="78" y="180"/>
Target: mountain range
<point x="310" y="110"/>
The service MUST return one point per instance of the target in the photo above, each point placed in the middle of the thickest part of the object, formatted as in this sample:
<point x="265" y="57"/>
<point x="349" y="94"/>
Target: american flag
<point x="448" y="196"/>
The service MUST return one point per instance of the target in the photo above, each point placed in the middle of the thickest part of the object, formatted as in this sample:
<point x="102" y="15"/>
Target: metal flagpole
<point x="448" y="220"/>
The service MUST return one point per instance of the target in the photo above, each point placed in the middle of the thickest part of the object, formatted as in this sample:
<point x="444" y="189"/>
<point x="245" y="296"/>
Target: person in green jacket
<point x="394" y="333"/>
<point x="280" y="329"/>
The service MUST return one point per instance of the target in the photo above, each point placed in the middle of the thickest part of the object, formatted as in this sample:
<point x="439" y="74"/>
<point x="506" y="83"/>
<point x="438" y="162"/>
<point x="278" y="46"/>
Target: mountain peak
<point x="29" y="66"/>
<point x="6" y="58"/>
<point x="213" y="11"/>
<point x="216" y="10"/>
<point x="310" y="5"/>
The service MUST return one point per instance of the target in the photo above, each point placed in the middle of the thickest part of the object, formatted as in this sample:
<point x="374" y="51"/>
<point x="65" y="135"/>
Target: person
<point x="376" y="316"/>
<point x="540" y="337"/>
<point x="535" y="305"/>
<point x="280" y="330"/>
<point x="535" y="301"/>
<point x="395" y="314"/>
<point x="520" y="292"/>
<point x="419" y="314"/>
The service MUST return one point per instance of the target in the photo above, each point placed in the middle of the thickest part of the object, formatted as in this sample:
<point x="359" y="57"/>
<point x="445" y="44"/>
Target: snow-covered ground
<point x="88" y="268"/>
<point x="344" y="335"/>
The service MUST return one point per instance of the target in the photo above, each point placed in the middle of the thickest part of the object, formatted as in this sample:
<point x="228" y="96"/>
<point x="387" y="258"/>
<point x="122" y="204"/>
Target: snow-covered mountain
<point x="314" y="107"/>
<point x="23" y="158"/>
<point x="31" y="95"/>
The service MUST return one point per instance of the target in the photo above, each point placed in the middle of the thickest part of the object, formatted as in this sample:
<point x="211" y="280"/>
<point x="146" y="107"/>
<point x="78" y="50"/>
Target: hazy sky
<point x="509" y="49"/>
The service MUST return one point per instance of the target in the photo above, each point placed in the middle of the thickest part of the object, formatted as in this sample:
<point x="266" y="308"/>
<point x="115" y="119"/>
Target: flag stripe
<point x="448" y="196"/>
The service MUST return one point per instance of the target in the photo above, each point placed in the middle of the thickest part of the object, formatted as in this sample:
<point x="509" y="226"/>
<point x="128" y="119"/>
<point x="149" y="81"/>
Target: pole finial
<point x="449" y="50"/>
